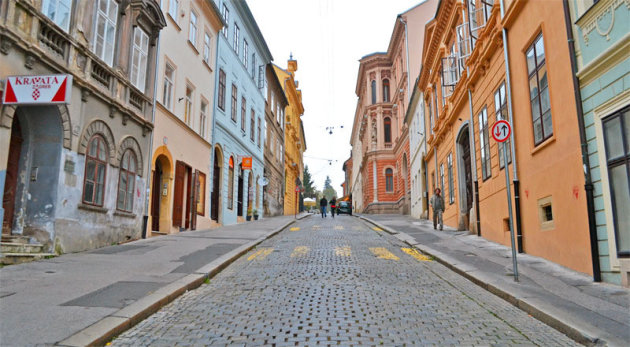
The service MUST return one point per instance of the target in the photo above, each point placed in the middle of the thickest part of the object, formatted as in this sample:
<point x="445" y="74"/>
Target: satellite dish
<point x="263" y="181"/>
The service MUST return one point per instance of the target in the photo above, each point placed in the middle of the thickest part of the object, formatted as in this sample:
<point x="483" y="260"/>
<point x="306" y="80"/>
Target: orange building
<point x="466" y="90"/>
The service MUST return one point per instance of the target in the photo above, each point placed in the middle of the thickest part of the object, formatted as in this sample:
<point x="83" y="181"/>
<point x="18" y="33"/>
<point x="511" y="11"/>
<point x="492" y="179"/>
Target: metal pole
<point x="509" y="202"/>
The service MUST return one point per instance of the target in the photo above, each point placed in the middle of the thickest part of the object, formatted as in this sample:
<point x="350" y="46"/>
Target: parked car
<point x="344" y="207"/>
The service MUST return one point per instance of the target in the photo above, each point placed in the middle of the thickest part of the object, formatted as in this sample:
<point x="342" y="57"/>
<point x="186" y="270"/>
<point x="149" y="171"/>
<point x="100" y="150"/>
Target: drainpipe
<point x="508" y="86"/>
<point x="145" y="218"/>
<point x="407" y="52"/>
<point x="214" y="125"/>
<point x="471" y="135"/>
<point x="588" y="184"/>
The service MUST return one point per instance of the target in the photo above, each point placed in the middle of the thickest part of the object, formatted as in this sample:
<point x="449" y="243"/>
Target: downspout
<point x="588" y="184"/>
<point x="508" y="86"/>
<point x="471" y="135"/>
<point x="214" y="124"/>
<point x="145" y="218"/>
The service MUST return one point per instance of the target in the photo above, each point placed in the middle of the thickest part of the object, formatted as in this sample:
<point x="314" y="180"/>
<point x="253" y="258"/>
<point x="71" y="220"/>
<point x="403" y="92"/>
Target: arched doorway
<point x="239" y="196"/>
<point x="215" y="196"/>
<point x="160" y="195"/>
<point x="405" y="174"/>
<point x="464" y="176"/>
<point x="34" y="154"/>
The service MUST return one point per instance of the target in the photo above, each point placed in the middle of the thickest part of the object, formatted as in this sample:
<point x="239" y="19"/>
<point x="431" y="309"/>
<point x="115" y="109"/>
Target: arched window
<point x="389" y="180"/>
<point x="126" y="181"/>
<point x="373" y="92"/>
<point x="385" y="90"/>
<point x="95" y="170"/>
<point x="387" y="128"/>
<point x="230" y="193"/>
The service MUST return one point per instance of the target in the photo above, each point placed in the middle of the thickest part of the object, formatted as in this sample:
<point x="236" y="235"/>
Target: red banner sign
<point x="40" y="89"/>
<point x="247" y="163"/>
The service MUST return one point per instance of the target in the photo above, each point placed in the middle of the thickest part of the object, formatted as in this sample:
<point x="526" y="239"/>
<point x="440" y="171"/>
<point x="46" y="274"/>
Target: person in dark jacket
<point x="437" y="204"/>
<point x="333" y="206"/>
<point x="322" y="205"/>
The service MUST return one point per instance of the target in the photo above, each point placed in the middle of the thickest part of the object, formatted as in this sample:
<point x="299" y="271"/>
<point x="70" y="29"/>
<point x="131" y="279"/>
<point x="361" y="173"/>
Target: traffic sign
<point x="501" y="131"/>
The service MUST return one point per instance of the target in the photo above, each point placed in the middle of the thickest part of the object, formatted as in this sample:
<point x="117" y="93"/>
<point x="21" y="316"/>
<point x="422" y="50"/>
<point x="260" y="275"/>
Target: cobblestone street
<point x="339" y="282"/>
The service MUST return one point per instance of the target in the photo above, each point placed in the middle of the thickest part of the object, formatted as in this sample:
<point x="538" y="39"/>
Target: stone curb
<point x="101" y="332"/>
<point x="531" y="307"/>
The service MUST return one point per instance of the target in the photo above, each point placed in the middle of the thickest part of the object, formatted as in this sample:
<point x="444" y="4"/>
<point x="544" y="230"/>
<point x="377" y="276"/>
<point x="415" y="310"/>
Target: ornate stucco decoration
<point x="593" y="20"/>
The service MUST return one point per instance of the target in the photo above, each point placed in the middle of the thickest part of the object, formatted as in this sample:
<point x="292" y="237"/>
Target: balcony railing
<point x="52" y="40"/>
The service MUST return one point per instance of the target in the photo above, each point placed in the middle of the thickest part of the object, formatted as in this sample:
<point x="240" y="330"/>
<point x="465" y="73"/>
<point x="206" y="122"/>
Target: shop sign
<point x="247" y="163"/>
<point x="38" y="89"/>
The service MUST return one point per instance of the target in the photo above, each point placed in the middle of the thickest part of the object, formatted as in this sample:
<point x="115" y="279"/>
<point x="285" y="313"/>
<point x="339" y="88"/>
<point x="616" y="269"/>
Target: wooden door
<point x="214" y="208"/>
<point x="10" y="183"/>
<point x="156" y="194"/>
<point x="178" y="195"/>
<point x="189" y="195"/>
<point x="468" y="173"/>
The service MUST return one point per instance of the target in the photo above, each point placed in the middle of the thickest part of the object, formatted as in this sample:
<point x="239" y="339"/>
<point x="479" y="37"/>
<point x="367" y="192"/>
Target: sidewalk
<point x="591" y="313"/>
<point x="89" y="297"/>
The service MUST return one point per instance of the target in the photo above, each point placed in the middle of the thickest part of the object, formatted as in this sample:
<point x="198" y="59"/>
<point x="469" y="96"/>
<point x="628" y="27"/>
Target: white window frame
<point x="167" y="87"/>
<point x="139" y="59"/>
<point x="173" y="6"/>
<point x="192" y="28"/>
<point x="226" y="19"/>
<point x="245" y="54"/>
<point x="109" y="37"/>
<point x="188" y="106"/>
<point x="207" y="40"/>
<point x="203" y="118"/>
<point x="237" y="33"/>
<point x="55" y="15"/>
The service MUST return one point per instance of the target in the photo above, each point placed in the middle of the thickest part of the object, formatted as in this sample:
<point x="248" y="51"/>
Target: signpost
<point x="501" y="131"/>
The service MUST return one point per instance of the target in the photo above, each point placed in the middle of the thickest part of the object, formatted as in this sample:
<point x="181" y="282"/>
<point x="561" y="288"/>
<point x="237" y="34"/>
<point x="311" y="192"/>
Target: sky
<point x="327" y="38"/>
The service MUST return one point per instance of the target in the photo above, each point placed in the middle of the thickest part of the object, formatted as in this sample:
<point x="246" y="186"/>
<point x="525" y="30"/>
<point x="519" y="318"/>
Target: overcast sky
<point x="327" y="38"/>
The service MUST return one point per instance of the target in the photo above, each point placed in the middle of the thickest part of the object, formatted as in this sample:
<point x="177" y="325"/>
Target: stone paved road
<point x="339" y="282"/>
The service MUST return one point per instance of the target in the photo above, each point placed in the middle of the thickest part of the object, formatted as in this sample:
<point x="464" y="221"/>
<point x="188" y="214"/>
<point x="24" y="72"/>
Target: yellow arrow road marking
<point x="414" y="253"/>
<point x="377" y="229"/>
<point x="300" y="251"/>
<point x="260" y="254"/>
<point x="338" y="227"/>
<point x="344" y="251"/>
<point x="383" y="253"/>
<point x="295" y="229"/>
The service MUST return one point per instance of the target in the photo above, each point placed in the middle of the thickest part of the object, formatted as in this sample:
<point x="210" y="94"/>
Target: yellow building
<point x="294" y="140"/>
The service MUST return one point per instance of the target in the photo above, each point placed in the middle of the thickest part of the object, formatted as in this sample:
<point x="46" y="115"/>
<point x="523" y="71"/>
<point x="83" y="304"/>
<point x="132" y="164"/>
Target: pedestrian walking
<point x="437" y="204"/>
<point x="333" y="206"/>
<point x="322" y="205"/>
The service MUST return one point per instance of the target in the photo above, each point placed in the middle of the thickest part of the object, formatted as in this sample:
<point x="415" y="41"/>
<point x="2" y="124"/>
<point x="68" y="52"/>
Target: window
<point x="58" y="11"/>
<point x="201" y="193"/>
<point x="139" y="59"/>
<point x="126" y="181"/>
<point x="259" y="132"/>
<point x="243" y="110"/>
<point x="387" y="128"/>
<point x="95" y="170"/>
<point x="167" y="94"/>
<point x="617" y="142"/>
<point x="206" y="48"/>
<point x="234" y="102"/>
<point x="221" y="92"/>
<point x="105" y="31"/>
<point x="172" y="8"/>
<point x="385" y="90"/>
<point x="501" y="112"/>
<point x="545" y="213"/>
<point x="484" y="144"/>
<point x="245" y="54"/>
<point x="192" y="31"/>
<point x="451" y="193"/>
<point x="254" y="69"/>
<point x="203" y="117"/>
<point x="236" y="38"/>
<point x="230" y="194"/>
<point x="539" y="91"/>
<point x="442" y="178"/>
<point x="373" y="87"/>
<point x="252" y="128"/>
<point x="188" y="106"/>
<point x="389" y="180"/>
<point x="433" y="181"/>
<point x="226" y="20"/>
<point x="430" y="111"/>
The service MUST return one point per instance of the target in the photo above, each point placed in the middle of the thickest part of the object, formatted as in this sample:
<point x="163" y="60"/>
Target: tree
<point x="329" y="192"/>
<point x="309" y="190"/>
<point x="327" y="183"/>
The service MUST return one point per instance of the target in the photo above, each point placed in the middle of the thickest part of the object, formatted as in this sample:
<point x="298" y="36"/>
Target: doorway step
<point x="16" y="249"/>
<point x="158" y="233"/>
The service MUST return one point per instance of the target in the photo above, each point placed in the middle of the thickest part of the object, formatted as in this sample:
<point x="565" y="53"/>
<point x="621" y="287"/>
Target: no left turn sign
<point x="501" y="131"/>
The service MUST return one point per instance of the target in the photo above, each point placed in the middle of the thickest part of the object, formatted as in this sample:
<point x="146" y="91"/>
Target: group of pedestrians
<point x="323" y="203"/>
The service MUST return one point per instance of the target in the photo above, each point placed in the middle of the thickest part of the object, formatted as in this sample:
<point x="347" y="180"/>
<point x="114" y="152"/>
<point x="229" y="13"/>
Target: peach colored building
<point x="466" y="91"/>
<point x="380" y="139"/>
<point x="182" y="144"/>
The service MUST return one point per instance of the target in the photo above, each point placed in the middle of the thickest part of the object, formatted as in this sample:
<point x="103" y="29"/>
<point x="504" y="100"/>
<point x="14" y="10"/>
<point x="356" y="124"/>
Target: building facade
<point x="74" y="174"/>
<point x="273" y="191"/>
<point x="602" y="52"/>
<point x="466" y="90"/>
<point x="294" y="140"/>
<point x="182" y="144"/>
<point x="239" y="112"/>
